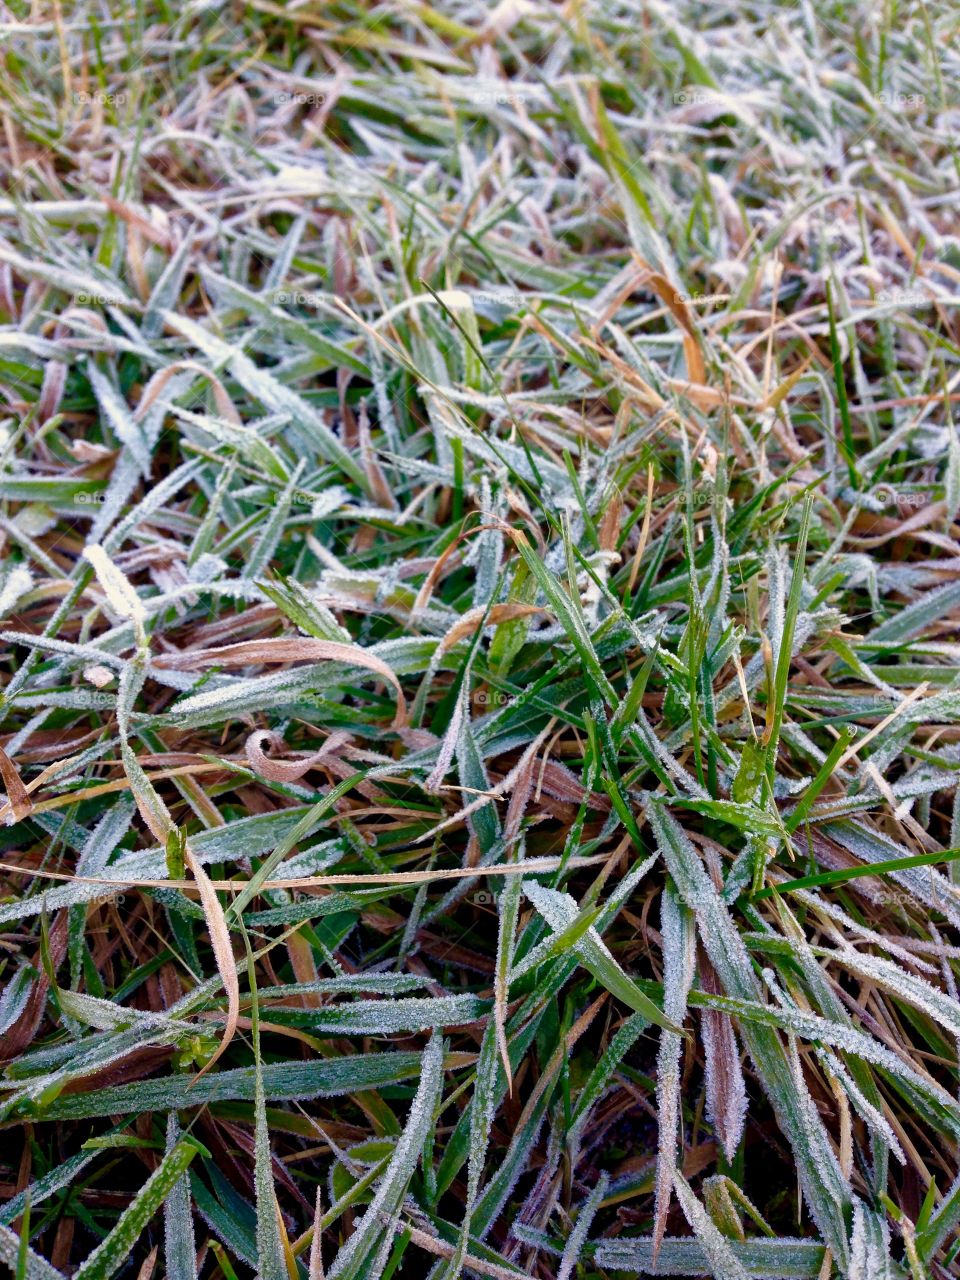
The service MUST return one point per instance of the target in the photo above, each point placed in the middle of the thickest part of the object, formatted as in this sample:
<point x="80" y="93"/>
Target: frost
<point x="870" y="1246"/>
<point x="678" y="962"/>
<point x="822" y="904"/>
<point x="578" y="1236"/>
<point x="825" y="1189"/>
<point x="206" y="568"/>
<point x="726" y="1094"/>
<point x="928" y="885"/>
<point x="180" y="1247"/>
<point x="723" y="1262"/>
<point x="387" y="1017"/>
<point x="870" y="1114"/>
<point x="332" y="499"/>
<point x="352" y="1259"/>
<point x="450" y="738"/>
<point x="16" y="583"/>
<point x="916" y="991"/>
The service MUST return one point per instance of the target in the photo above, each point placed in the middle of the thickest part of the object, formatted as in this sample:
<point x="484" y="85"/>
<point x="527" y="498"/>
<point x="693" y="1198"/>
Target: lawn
<point x="480" y="603"/>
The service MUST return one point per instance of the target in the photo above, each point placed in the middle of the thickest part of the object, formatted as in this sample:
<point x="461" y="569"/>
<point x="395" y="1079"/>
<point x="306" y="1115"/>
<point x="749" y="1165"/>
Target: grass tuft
<point x="480" y="588"/>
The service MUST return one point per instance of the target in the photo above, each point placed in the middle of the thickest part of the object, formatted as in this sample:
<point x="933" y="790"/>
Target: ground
<point x="480" y="594"/>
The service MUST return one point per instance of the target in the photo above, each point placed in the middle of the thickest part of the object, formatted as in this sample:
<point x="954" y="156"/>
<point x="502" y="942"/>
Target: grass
<point x="480" y="595"/>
